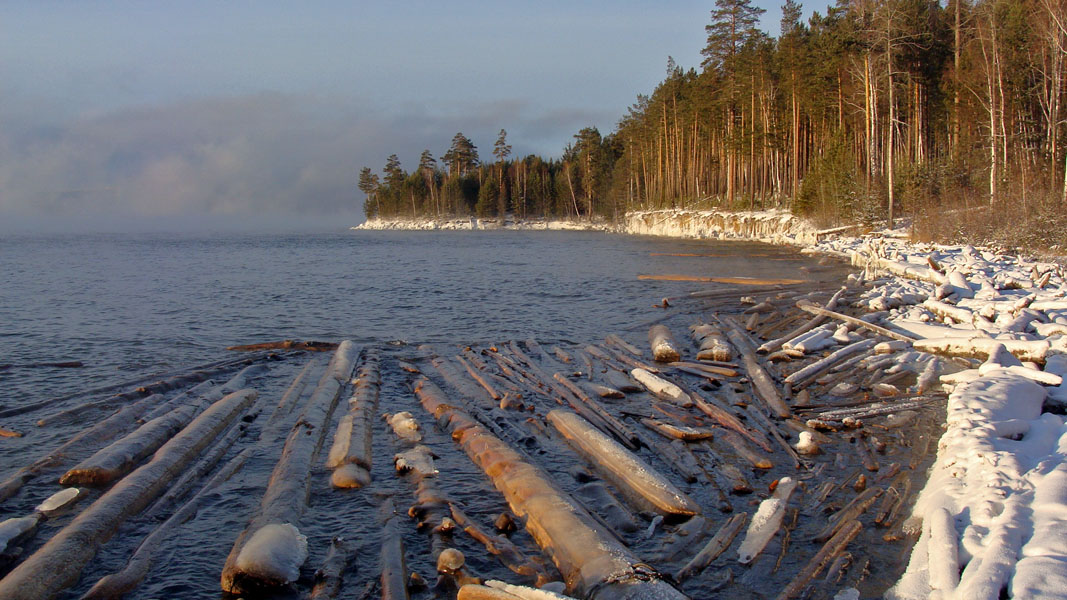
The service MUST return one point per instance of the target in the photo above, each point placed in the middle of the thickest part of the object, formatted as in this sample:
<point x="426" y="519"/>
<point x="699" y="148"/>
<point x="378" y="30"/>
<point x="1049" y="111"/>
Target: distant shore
<point x="772" y="226"/>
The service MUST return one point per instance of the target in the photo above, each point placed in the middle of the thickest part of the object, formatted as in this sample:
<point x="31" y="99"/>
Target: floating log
<point x="617" y="428"/>
<point x="594" y="565"/>
<point x="479" y="378"/>
<point x="729" y="421"/>
<point x="274" y="529"/>
<point x="660" y="387"/>
<point x="605" y="392"/>
<point x="621" y="382"/>
<point x="67" y="364"/>
<point x="5" y="432"/>
<point x="310" y="346"/>
<point x="621" y="467"/>
<point x="561" y="354"/>
<point x="765" y="388"/>
<point x="807" y="375"/>
<point x="830" y="549"/>
<point x="615" y="340"/>
<point x="729" y="280"/>
<point x="330" y="576"/>
<point x="715" y="547"/>
<point x="735" y="442"/>
<point x="851" y="511"/>
<point x="677" y="432"/>
<point x="59" y="563"/>
<point x="766" y="521"/>
<point x="502" y="548"/>
<point x="705" y="370"/>
<point x="103" y="431"/>
<point x="394" y="566"/>
<point x="664" y="348"/>
<point x="350" y="455"/>
<point x="117" y="459"/>
<point x="121" y="582"/>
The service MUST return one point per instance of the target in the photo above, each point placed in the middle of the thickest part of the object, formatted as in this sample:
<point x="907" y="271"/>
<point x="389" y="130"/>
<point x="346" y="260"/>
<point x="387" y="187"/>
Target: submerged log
<point x="594" y="565"/>
<point x="615" y="340"/>
<point x="621" y="467"/>
<point x="59" y="563"/>
<point x="765" y="388"/>
<point x="664" y="348"/>
<point x="310" y="346"/>
<point x="394" y="576"/>
<point x="616" y="427"/>
<point x="729" y="421"/>
<point x="272" y="538"/>
<point x="502" y="548"/>
<point x="831" y="549"/>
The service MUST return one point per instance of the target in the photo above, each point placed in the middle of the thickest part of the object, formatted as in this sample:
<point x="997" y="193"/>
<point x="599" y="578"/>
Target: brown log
<point x="830" y="549"/>
<point x="502" y="548"/>
<point x="309" y="346"/>
<point x="766" y="389"/>
<point x="664" y="348"/>
<point x="715" y="547"/>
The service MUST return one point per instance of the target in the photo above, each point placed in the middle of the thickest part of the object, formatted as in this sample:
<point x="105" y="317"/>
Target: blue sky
<point x="215" y="112"/>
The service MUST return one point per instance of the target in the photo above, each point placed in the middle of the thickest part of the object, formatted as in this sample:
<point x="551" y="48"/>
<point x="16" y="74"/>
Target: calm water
<point x="131" y="306"/>
<point x="136" y="304"/>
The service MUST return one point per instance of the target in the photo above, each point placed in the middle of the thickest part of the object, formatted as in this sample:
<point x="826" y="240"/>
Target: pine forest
<point x="949" y="113"/>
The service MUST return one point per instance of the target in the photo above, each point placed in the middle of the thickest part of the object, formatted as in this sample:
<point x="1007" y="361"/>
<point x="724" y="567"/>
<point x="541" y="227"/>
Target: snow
<point x="274" y="553"/>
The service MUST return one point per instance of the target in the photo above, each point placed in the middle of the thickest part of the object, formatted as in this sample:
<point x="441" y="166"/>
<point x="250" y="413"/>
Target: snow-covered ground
<point x="993" y="514"/>
<point x="472" y="223"/>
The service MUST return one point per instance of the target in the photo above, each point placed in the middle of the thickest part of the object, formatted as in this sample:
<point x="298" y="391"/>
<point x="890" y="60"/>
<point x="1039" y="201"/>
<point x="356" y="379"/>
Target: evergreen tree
<point x="368" y="184"/>
<point x="733" y="25"/>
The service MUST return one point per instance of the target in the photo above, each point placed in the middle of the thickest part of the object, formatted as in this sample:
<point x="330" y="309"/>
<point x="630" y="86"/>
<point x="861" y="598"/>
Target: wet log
<point x="664" y="348"/>
<point x="479" y="378"/>
<point x="561" y="354"/>
<point x="498" y="590"/>
<point x="729" y="421"/>
<point x="766" y="389"/>
<point x="766" y="521"/>
<point x="715" y="547"/>
<point x="122" y="582"/>
<point x="289" y="398"/>
<point x="630" y="362"/>
<point x="620" y="381"/>
<point x="851" y="511"/>
<point x="350" y="454"/>
<point x="677" y="432"/>
<point x="309" y="346"/>
<point x="621" y="467"/>
<point x="605" y="392"/>
<point x="120" y="457"/>
<point x="617" y="341"/>
<point x="594" y="565"/>
<point x="501" y="547"/>
<point x="710" y="371"/>
<point x="272" y="560"/>
<point x="59" y="563"/>
<point x="661" y="388"/>
<point x="330" y="576"/>
<point x="617" y="428"/>
<point x="105" y="430"/>
<point x="828" y="552"/>
<point x="394" y="576"/>
<point x="669" y="456"/>
<point x="738" y="445"/>
<point x="775" y="344"/>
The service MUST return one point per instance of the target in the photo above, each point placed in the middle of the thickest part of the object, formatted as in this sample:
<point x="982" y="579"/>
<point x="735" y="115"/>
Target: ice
<point x="58" y="500"/>
<point x="766" y="521"/>
<point x="14" y="528"/>
<point x="274" y="553"/>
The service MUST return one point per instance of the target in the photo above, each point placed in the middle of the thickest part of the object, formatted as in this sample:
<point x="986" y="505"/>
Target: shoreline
<point x="989" y="515"/>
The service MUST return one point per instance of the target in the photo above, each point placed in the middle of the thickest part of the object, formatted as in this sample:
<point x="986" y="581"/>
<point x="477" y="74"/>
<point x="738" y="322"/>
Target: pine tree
<point x="368" y="184"/>
<point x="733" y="24"/>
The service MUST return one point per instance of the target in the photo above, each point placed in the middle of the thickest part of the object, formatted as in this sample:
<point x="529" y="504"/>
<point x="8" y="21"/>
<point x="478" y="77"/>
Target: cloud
<point x="239" y="159"/>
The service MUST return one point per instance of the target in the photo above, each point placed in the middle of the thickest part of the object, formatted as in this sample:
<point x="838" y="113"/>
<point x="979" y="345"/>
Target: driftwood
<point x="766" y="389"/>
<point x="479" y="378"/>
<point x="615" y="340"/>
<point x="594" y="565"/>
<point x="710" y="371"/>
<point x="832" y="548"/>
<point x="729" y="421"/>
<point x="661" y="388"/>
<point x="275" y="525"/>
<point x="715" y="547"/>
<point x="310" y="346"/>
<point x="561" y="354"/>
<point x="622" y="468"/>
<point x="677" y="432"/>
<point x="818" y="310"/>
<point x="59" y="563"/>
<point x="851" y="511"/>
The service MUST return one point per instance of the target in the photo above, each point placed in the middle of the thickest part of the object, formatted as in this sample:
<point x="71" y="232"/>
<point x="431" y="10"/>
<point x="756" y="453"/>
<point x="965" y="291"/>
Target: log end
<point x="350" y="476"/>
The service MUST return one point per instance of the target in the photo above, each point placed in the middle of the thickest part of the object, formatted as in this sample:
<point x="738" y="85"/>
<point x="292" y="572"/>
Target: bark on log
<point x="59" y="563"/>
<point x="765" y="388"/>
<point x="594" y="565"/>
<point x="830" y="549"/>
<point x="715" y="547"/>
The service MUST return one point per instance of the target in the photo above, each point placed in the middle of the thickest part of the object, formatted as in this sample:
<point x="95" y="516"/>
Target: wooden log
<point x="775" y="344"/>
<point x="661" y="388"/>
<point x="617" y="341"/>
<point x="330" y="576"/>
<point x="482" y="381"/>
<point x="715" y="547"/>
<point x="122" y="582"/>
<point x="664" y="348"/>
<point x="729" y="421"/>
<point x="501" y="548"/>
<point x="394" y="576"/>
<point x="669" y="456"/>
<point x="818" y="310"/>
<point x="677" y="432"/>
<point x="711" y="343"/>
<point x="593" y="564"/>
<point x="621" y="467"/>
<point x="851" y="511"/>
<point x="982" y="347"/>
<point x="350" y="456"/>
<point x="617" y="428"/>
<point x="830" y="549"/>
<point x="766" y="389"/>
<point x="309" y="346"/>
<point x="804" y="377"/>
<point x="706" y="370"/>
<point x="274" y="528"/>
<point x="105" y="430"/>
<point x="59" y="563"/>
<point x="561" y="354"/>
<point x="738" y="445"/>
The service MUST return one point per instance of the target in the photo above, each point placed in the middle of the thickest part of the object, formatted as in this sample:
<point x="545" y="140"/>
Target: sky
<point x="259" y="115"/>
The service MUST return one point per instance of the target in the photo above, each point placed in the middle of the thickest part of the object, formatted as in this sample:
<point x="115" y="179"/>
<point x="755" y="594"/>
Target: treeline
<point x="876" y="109"/>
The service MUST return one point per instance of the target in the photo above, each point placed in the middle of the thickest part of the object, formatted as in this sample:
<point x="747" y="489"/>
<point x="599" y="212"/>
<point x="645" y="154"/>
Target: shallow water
<point x="131" y="306"/>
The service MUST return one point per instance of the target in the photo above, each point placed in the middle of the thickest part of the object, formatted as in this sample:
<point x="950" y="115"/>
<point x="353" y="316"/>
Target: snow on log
<point x="59" y="563"/>
<point x="660" y="387"/>
<point x="620" y="466"/>
<point x="664" y="348"/>
<point x="981" y="346"/>
<point x="805" y="376"/>
<point x="284" y="501"/>
<point x="712" y="343"/>
<point x="593" y="563"/>
<point x="818" y="310"/>
<point x="766" y="521"/>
